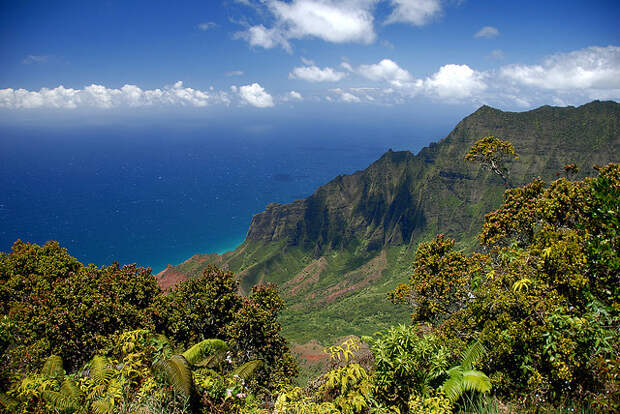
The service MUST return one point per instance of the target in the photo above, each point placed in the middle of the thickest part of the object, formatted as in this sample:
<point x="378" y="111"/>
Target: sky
<point x="229" y="58"/>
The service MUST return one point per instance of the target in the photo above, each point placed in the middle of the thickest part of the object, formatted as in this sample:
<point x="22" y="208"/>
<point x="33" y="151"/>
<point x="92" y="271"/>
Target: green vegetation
<point x="528" y="322"/>
<point x="531" y="323"/>
<point x="398" y="202"/>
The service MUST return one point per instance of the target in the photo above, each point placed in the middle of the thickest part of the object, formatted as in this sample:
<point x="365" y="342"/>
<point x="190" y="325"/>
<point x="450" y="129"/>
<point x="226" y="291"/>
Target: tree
<point x="493" y="153"/>
<point x="545" y="300"/>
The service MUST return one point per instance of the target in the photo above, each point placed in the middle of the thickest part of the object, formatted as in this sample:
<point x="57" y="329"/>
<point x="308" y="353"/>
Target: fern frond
<point x="100" y="369"/>
<point x="104" y="406"/>
<point x="177" y="372"/>
<point x="464" y="380"/>
<point x="476" y="381"/>
<point x="211" y="361"/>
<point x="247" y="370"/>
<point x="68" y="398"/>
<point x="472" y="354"/>
<point x="203" y="349"/>
<point x="53" y="367"/>
<point x="453" y="386"/>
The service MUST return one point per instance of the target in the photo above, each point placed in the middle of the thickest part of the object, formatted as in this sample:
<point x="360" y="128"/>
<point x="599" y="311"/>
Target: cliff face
<point x="337" y="252"/>
<point x="373" y="204"/>
<point x="402" y="194"/>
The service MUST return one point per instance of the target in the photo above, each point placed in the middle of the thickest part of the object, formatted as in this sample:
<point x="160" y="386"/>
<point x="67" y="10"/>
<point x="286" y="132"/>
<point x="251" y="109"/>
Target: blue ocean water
<point x="155" y="195"/>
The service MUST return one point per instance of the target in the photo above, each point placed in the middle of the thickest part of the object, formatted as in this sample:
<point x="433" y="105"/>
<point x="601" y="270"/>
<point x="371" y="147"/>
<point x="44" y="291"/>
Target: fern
<point x="103" y="406"/>
<point x="100" y="370"/>
<point x="53" y="367"/>
<point x="463" y="377"/>
<point x="247" y="370"/>
<point x="177" y="372"/>
<point x="472" y="354"/>
<point x="209" y="347"/>
<point x="68" y="398"/>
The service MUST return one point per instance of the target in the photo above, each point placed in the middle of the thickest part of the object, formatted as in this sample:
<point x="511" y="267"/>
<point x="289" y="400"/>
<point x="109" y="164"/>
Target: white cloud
<point x="387" y="71"/>
<point x="347" y="66"/>
<point x="316" y="74"/>
<point x="454" y="82"/>
<point x="256" y="95"/>
<point x="349" y="98"/>
<point x="487" y="31"/>
<point x="99" y="96"/>
<point x="593" y="68"/>
<point x="415" y="12"/>
<point x="264" y="37"/>
<point x="337" y="21"/>
<point x="295" y="96"/>
<point x="206" y="26"/>
<point x="345" y="96"/>
<point x="234" y="73"/>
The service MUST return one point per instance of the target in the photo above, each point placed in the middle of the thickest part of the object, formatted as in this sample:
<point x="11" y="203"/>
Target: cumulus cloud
<point x="487" y="31"/>
<point x="345" y="96"/>
<point x="256" y="95"/>
<point x="593" y="68"/>
<point x="450" y="82"/>
<point x="263" y="37"/>
<point x="454" y="82"/>
<point x="99" y="96"/>
<point x="576" y="77"/>
<point x="415" y="12"/>
<point x="316" y="74"/>
<point x="337" y="21"/>
<point x="388" y="71"/>
<point x="293" y="96"/>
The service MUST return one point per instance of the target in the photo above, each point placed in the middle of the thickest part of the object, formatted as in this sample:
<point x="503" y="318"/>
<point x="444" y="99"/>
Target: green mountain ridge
<point x="336" y="253"/>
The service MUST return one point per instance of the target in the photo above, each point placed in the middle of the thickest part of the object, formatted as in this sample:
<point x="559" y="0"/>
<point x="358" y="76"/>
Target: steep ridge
<point x="337" y="252"/>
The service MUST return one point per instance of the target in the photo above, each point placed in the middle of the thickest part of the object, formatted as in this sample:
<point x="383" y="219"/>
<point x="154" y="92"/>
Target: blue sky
<point x="227" y="57"/>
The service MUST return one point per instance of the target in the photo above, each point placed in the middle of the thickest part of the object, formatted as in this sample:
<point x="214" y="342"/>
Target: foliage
<point x="463" y="377"/>
<point x="348" y="387"/>
<point x="492" y="153"/>
<point x="56" y="306"/>
<point x="406" y="362"/>
<point x="434" y="403"/>
<point x="544" y="300"/>
<point x="254" y="334"/>
<point x="109" y="326"/>
<point x="441" y="282"/>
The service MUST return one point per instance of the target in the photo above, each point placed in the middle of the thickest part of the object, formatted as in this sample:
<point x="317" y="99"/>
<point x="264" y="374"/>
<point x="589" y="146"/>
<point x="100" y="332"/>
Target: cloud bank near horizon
<point x="561" y="79"/>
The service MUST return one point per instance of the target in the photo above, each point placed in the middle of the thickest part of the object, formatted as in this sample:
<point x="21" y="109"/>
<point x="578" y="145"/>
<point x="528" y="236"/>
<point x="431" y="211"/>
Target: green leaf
<point x="199" y="351"/>
<point x="247" y="370"/>
<point x="53" y="367"/>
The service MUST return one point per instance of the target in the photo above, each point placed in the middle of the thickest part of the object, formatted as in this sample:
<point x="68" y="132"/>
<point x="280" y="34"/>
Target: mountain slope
<point x="337" y="252"/>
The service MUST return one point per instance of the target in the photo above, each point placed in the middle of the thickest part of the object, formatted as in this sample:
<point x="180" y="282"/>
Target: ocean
<point x="156" y="194"/>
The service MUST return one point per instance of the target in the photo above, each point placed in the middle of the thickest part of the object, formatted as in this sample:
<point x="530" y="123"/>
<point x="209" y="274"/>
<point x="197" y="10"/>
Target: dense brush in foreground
<point x="531" y="321"/>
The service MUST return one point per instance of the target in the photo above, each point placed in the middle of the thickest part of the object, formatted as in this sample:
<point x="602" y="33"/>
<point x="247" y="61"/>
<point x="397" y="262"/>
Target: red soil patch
<point x="169" y="277"/>
<point x="308" y="276"/>
<point x="311" y="352"/>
